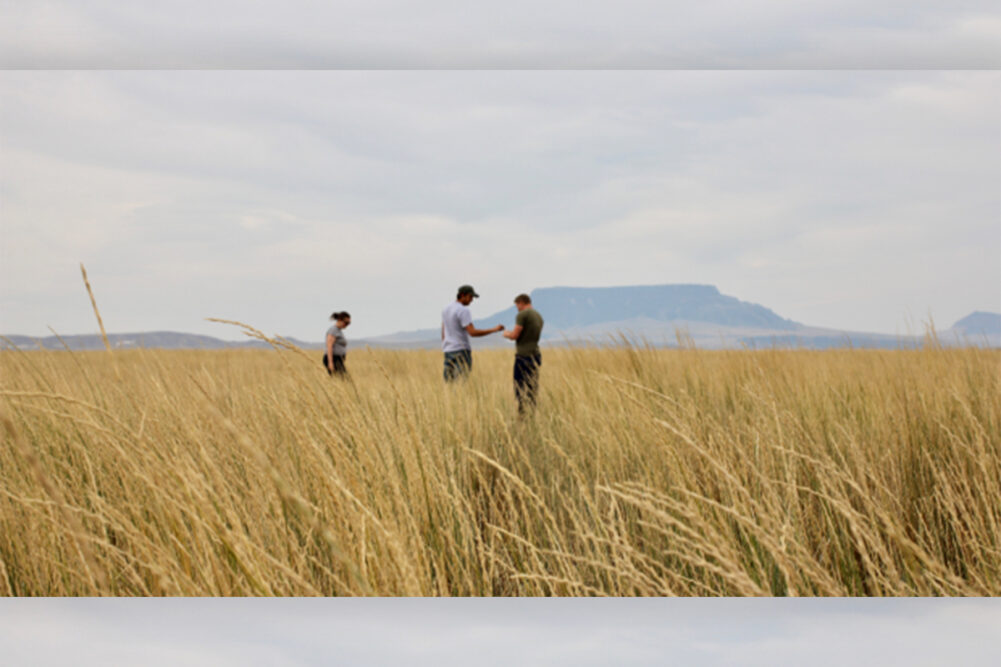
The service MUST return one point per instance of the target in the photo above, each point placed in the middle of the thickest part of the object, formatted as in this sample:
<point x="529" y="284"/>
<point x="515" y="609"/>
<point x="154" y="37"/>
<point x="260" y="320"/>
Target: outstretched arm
<point x="513" y="333"/>
<point x="476" y="333"/>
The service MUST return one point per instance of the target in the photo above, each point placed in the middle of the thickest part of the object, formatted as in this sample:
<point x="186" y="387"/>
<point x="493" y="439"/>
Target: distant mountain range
<point x="660" y="315"/>
<point x="572" y="308"/>
<point x="148" y="339"/>
<point x="679" y="315"/>
<point x="979" y="323"/>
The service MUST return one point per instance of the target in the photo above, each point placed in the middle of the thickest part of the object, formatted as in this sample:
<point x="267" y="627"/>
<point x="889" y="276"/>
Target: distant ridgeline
<point x="573" y="307"/>
<point x="673" y="315"/>
<point x="979" y="323"/>
<point x="148" y="339"/>
<point x="660" y="315"/>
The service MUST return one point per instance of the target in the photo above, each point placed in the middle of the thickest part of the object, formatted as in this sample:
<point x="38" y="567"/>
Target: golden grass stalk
<point x="97" y="313"/>
<point x="643" y="472"/>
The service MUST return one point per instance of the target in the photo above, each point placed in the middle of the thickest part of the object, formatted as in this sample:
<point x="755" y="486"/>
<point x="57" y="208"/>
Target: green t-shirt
<point x="531" y="329"/>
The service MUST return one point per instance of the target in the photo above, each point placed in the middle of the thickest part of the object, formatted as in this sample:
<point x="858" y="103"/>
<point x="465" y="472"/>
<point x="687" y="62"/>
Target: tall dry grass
<point x="644" y="472"/>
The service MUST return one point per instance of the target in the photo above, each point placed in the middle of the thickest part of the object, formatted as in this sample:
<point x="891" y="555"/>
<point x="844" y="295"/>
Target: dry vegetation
<point x="645" y="472"/>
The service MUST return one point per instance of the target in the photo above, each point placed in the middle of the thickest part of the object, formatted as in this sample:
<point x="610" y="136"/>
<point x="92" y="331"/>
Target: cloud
<point x="276" y="197"/>
<point x="499" y="631"/>
<point x="518" y="34"/>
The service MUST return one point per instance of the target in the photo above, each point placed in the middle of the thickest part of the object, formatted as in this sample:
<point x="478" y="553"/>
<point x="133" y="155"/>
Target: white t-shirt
<point x="456" y="318"/>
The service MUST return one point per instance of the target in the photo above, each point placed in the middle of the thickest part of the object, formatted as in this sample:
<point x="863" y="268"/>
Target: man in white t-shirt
<point x="456" y="329"/>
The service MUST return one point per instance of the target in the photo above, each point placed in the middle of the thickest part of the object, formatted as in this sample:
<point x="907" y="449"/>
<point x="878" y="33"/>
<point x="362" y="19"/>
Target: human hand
<point x="500" y="327"/>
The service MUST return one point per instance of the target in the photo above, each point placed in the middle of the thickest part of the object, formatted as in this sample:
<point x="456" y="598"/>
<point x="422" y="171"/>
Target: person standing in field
<point x="337" y="344"/>
<point x="527" y="357"/>
<point x="456" y="329"/>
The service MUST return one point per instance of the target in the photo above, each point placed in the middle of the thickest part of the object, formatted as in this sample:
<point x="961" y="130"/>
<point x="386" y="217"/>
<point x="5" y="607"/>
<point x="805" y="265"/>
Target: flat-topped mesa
<point x="572" y="307"/>
<point x="979" y="323"/>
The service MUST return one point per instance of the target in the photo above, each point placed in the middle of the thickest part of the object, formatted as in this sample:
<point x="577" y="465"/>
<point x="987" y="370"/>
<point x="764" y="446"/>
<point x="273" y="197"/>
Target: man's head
<point x="466" y="295"/>
<point x="522" y="301"/>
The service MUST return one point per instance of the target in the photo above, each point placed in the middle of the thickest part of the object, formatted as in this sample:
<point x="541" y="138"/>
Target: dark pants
<point x="339" y="368"/>
<point x="457" y="364"/>
<point x="526" y="380"/>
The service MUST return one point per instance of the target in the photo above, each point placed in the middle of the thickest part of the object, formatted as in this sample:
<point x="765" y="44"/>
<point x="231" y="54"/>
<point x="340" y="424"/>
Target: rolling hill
<point x="659" y="315"/>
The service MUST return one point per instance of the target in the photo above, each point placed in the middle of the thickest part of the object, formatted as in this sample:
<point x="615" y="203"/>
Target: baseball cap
<point x="468" y="289"/>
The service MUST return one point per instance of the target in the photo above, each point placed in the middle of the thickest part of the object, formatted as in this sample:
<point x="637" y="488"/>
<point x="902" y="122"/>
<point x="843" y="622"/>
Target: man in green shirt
<point x="527" y="358"/>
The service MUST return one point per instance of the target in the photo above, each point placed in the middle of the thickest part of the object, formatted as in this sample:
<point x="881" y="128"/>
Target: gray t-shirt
<point x="455" y="318"/>
<point x="340" y="342"/>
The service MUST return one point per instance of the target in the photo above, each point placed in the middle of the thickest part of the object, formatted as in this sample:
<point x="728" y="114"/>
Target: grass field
<point x="644" y="472"/>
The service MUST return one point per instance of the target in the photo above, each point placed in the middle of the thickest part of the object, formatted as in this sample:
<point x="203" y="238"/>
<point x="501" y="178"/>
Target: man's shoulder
<point x="455" y="309"/>
<point x="528" y="315"/>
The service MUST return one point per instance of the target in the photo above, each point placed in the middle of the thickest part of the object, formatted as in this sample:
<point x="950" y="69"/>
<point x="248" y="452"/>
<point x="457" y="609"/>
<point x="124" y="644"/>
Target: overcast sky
<point x="855" y="200"/>
<point x="871" y="34"/>
<point x="861" y="199"/>
<point x="555" y="632"/>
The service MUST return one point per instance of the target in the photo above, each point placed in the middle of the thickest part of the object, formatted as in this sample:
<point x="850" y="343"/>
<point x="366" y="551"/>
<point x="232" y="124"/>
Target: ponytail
<point x="340" y="315"/>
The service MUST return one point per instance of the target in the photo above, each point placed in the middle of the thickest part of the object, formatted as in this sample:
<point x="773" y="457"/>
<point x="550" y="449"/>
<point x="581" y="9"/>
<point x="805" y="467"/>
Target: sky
<point x="864" y="195"/>
<point x="865" y="201"/>
<point x="765" y="34"/>
<point x="551" y="632"/>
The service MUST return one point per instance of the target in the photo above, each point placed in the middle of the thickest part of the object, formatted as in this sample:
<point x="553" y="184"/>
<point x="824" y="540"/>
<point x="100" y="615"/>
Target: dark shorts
<point x="457" y="364"/>
<point x="339" y="368"/>
<point x="526" y="379"/>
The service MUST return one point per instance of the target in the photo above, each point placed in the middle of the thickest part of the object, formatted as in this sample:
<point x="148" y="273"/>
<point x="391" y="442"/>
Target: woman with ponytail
<point x="337" y="344"/>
